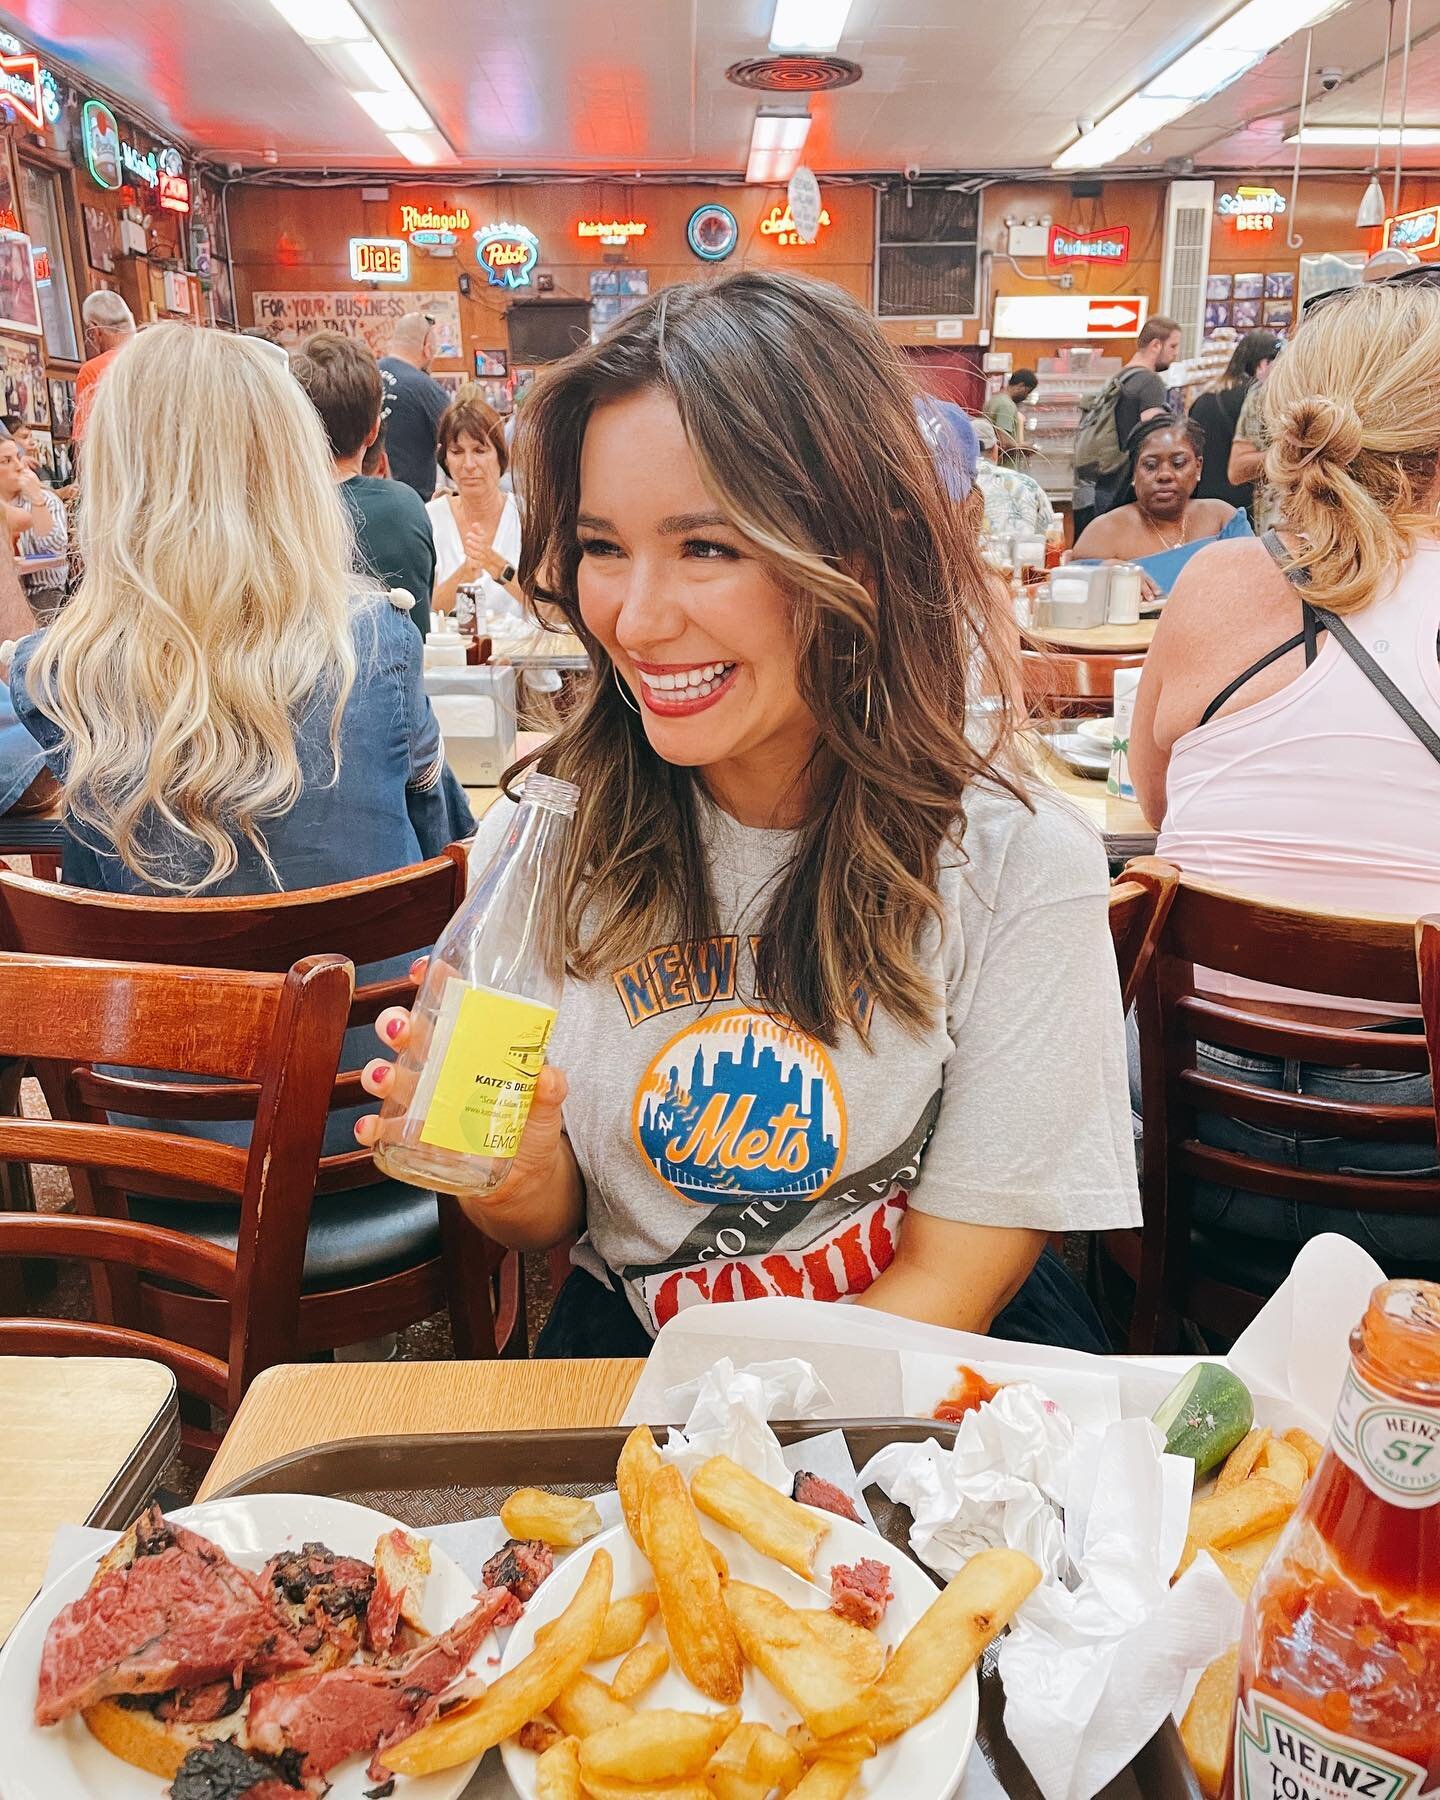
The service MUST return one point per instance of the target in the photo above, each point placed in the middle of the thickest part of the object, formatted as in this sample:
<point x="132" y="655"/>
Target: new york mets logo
<point x="740" y="1105"/>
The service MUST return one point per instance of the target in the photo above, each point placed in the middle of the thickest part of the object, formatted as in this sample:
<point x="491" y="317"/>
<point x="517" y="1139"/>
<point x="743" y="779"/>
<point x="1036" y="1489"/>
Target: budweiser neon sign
<point x="1110" y="244"/>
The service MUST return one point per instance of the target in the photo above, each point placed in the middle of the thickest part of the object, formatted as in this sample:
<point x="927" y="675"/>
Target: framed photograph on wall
<point x="101" y="239"/>
<point x="62" y="406"/>
<point x="1217" y="287"/>
<point x="490" y="364"/>
<point x="1217" y="313"/>
<point x="42" y="448"/>
<point x="1249" y="287"/>
<point x="1245" y="314"/>
<point x="1279" y="314"/>
<point x="19" y="297"/>
<point x="1280" y="285"/>
<point x="23" y="386"/>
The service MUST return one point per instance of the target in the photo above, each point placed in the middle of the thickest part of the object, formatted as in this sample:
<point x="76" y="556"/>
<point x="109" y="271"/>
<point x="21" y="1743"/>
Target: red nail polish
<point x="392" y="1029"/>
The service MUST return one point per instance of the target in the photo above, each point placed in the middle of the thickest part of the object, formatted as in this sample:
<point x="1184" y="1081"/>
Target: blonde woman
<point x="819" y="941"/>
<point x="1287" y="727"/>
<point x="228" y="706"/>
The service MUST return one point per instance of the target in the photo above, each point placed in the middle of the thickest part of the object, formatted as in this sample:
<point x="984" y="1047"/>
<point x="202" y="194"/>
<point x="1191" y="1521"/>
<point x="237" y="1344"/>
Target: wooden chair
<point x="1071" y="685"/>
<point x="1220" y="1280"/>
<point x="280" y="1036"/>
<point x="379" y="918"/>
<point x="1140" y="900"/>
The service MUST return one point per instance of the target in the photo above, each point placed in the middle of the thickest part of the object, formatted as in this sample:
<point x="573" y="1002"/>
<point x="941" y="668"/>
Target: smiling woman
<point x="818" y="934"/>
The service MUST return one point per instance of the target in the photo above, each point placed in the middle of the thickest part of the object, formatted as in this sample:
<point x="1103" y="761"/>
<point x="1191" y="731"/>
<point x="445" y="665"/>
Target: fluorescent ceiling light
<point x="1220" y="57"/>
<point x="813" y="25"/>
<point x="776" y="141"/>
<point x="1364" y="137"/>
<point x="424" y="147"/>
<point x="395" y="111"/>
<point x="363" y="66"/>
<point x="323" y="21"/>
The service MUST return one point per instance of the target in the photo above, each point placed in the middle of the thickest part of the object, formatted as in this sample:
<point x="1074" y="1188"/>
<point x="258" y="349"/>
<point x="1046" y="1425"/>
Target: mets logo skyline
<point x="741" y="1107"/>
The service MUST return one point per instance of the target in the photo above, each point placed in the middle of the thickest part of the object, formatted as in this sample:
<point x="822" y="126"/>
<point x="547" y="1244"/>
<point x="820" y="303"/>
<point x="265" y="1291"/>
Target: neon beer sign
<point x="507" y="253"/>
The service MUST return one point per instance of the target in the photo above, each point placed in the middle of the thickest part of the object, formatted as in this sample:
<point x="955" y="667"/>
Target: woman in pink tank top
<point x="1286" y="736"/>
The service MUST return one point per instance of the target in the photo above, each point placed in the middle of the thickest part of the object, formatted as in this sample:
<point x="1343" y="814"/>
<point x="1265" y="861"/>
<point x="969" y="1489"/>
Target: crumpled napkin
<point x="728" y="1413"/>
<point x="1100" y="1652"/>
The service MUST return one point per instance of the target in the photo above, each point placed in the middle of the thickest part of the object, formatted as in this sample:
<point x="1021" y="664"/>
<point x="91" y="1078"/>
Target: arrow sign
<point x="1069" y="318"/>
<point x="1114" y="317"/>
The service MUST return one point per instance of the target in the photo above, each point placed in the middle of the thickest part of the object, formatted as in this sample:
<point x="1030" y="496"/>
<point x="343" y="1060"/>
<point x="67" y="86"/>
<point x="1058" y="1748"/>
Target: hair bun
<point x="1317" y="427"/>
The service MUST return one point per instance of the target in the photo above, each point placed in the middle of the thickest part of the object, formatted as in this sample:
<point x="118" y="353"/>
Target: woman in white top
<point x="1287" y="731"/>
<point x="477" y="529"/>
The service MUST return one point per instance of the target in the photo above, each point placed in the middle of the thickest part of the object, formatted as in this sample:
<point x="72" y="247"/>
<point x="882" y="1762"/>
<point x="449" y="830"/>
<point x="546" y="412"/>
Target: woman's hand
<point x="476" y="546"/>
<point x="543" y="1177"/>
<point x="1149" y="589"/>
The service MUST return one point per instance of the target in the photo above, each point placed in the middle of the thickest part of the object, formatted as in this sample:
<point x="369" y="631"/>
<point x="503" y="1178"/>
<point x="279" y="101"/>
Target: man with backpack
<point x="1137" y="392"/>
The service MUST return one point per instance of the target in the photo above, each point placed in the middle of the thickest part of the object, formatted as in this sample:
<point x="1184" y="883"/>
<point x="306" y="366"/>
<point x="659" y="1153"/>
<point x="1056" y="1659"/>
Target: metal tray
<point x="1081" y="754"/>
<point x="440" y="1479"/>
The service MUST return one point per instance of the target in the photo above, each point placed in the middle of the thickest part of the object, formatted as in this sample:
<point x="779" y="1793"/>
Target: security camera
<point x="233" y="169"/>
<point x="912" y="171"/>
<point x="1330" y="79"/>
<point x="1084" y="126"/>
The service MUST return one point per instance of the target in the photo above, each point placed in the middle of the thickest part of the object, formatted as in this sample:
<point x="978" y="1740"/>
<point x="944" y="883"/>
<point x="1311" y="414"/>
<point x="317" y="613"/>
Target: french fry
<point x="639" y="1459"/>
<point x="538" y="1735"/>
<point x="642" y="1668"/>
<point x="520" y="1693"/>
<point x="1209" y="1719"/>
<point x="768" y="1521"/>
<point x="753" y="1760"/>
<point x="663" y="1745"/>
<point x="607" y="1787"/>
<point x="1219" y="1520"/>
<point x="1241" y="1461"/>
<point x="625" y="1624"/>
<point x="554" y="1519"/>
<point x="946" y="1640"/>
<point x="1240" y="1576"/>
<point x="1251" y="1554"/>
<point x="702" y="1637"/>
<point x="1285" y="1465"/>
<point x="779" y="1641"/>
<point x="848" y="1746"/>
<point x="826" y="1781"/>
<point x="1306" y="1445"/>
<point x="586" y="1705"/>
<point x="557" y="1774"/>
<point x="861" y="1652"/>
<point x="717" y="1556"/>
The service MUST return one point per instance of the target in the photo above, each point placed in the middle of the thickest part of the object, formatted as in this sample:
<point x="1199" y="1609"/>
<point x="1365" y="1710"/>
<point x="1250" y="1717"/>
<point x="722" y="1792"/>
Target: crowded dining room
<point x="813" y="546"/>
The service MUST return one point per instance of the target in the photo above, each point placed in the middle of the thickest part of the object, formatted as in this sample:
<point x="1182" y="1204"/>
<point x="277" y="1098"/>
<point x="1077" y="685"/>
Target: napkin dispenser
<point x="1079" y="598"/>
<point x="476" y="710"/>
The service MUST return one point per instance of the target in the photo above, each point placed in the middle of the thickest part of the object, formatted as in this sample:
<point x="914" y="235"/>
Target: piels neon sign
<point x="379" y="259"/>
<point x="1251" y="208"/>
<point x="779" y="223"/>
<point x="507" y="253"/>
<point x="1110" y="244"/>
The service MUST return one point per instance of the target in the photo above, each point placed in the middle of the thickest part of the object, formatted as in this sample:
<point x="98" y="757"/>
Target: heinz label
<point x="1392" y="1445"/>
<point x="1282" y="1755"/>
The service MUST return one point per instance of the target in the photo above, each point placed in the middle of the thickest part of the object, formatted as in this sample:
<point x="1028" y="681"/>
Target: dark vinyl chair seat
<point x="356" y="1237"/>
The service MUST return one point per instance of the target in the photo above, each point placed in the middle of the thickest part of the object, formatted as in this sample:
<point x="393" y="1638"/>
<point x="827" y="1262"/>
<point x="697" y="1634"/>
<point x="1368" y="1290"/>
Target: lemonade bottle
<point x="482" y="1019"/>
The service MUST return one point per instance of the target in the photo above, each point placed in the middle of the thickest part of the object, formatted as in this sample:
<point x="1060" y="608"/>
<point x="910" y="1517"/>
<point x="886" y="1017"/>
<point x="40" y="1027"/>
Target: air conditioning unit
<point x="927" y="254"/>
<point x="1189" y="210"/>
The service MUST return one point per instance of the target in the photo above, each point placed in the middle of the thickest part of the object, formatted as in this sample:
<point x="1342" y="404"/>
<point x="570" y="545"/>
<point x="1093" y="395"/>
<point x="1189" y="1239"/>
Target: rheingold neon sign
<point x="427" y="228"/>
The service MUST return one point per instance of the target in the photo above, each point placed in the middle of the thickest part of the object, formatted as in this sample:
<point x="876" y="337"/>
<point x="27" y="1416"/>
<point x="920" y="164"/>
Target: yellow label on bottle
<point x="482" y="1097"/>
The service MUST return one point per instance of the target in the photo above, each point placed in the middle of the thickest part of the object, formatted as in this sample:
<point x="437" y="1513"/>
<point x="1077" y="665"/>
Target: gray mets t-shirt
<point x="727" y="1155"/>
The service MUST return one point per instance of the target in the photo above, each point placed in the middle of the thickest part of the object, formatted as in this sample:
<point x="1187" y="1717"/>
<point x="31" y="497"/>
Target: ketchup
<point x="970" y="1392"/>
<point x="1339" y="1689"/>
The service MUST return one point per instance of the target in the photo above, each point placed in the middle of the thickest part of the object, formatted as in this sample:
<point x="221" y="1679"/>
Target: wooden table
<point x="1107" y="640"/>
<point x="84" y="1439"/>
<point x="1124" y="827"/>
<point x="297" y="1406"/>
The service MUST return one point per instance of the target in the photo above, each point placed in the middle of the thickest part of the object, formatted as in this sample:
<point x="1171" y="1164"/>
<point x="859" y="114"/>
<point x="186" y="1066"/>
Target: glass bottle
<point x="1339" y="1682"/>
<point x="482" y="1019"/>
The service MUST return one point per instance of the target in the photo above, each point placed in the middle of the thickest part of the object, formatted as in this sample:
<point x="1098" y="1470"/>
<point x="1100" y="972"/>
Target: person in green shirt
<point x="1003" y="412"/>
<point x="392" y="528"/>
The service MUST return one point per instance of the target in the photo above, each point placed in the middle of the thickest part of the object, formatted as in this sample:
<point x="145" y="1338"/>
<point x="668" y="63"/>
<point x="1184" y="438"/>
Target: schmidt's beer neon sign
<point x="507" y="253"/>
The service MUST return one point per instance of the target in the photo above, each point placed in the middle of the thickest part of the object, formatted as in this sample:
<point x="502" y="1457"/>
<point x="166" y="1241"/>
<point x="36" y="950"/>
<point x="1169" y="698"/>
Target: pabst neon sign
<point x="507" y="253"/>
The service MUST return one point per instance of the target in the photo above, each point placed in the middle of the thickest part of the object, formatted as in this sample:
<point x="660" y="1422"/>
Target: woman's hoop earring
<point x="625" y="693"/>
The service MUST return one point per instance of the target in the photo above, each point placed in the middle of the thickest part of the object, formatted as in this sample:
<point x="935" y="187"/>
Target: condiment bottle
<point x="482" y="1019"/>
<point x="1339" y="1686"/>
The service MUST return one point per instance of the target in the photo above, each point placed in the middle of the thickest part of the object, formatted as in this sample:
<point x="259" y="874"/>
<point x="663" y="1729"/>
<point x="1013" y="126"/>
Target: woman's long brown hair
<point x="802" y="420"/>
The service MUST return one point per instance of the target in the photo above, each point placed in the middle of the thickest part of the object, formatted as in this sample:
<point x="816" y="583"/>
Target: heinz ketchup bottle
<point x="1339" y="1693"/>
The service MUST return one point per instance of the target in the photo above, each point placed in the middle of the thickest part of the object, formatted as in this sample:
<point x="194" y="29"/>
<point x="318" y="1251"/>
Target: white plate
<point x="925" y="1764"/>
<point x="1103" y="730"/>
<point x="63" y="1762"/>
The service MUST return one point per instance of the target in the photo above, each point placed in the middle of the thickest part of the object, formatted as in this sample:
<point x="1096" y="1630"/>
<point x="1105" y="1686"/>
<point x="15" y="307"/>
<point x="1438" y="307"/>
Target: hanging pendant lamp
<point x="1372" y="205"/>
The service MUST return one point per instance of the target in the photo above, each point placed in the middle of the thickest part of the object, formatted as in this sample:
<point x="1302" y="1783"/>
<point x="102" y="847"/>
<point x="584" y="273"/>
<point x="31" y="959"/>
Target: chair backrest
<point x="280" y="1035"/>
<point x="1427" y="959"/>
<point x="1140" y="899"/>
<point x="1321" y="955"/>
<point x="373" y="920"/>
<point x="1072" y="683"/>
